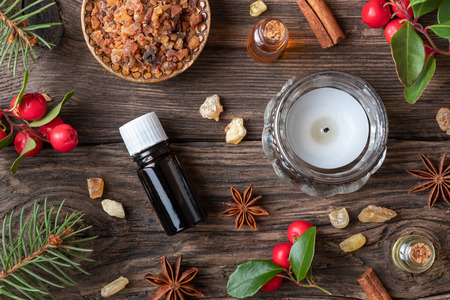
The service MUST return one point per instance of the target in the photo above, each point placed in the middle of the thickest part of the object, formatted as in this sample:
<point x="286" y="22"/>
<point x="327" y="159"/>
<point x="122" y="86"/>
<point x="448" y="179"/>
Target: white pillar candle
<point x="327" y="128"/>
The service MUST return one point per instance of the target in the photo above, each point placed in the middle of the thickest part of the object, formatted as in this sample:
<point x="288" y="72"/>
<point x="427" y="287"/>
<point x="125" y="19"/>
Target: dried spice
<point x="339" y="218"/>
<point x="211" y="108"/>
<point x="146" y="35"/>
<point x="244" y="208"/>
<point x="113" y="208"/>
<point x="353" y="243"/>
<point x="436" y="180"/>
<point x="257" y="8"/>
<point x="443" y="119"/>
<point x="235" y="131"/>
<point x="376" y="214"/>
<point x="114" y="287"/>
<point x="95" y="187"/>
<point x="372" y="286"/>
<point x="171" y="284"/>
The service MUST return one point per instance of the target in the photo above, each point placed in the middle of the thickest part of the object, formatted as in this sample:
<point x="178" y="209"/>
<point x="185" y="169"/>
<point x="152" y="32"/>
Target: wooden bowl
<point x="202" y="31"/>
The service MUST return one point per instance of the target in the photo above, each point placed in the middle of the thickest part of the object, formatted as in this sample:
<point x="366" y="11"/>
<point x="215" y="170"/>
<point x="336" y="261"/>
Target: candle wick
<point x="326" y="129"/>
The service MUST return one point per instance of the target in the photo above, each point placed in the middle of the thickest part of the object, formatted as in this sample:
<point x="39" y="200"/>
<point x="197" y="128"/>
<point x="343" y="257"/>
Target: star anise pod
<point x="436" y="180"/>
<point x="171" y="284"/>
<point x="244" y="208"/>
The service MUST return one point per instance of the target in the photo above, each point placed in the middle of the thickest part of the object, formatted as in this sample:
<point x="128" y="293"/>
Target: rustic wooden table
<point x="131" y="247"/>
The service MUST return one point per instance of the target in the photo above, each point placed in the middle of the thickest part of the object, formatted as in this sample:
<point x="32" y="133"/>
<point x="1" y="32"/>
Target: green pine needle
<point x="14" y="35"/>
<point x="41" y="252"/>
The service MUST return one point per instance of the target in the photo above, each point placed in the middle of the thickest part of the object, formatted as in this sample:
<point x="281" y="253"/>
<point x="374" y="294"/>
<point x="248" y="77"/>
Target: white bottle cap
<point x="142" y="133"/>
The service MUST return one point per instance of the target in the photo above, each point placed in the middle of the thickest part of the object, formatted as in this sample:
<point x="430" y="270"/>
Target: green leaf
<point x="408" y="53"/>
<point x="302" y="253"/>
<point x="413" y="92"/>
<point x="415" y="2"/>
<point x="309" y="274"/>
<point x="30" y="145"/>
<point x="53" y="113"/>
<point x="425" y="7"/>
<point x="24" y="85"/>
<point x="442" y="30"/>
<point x="250" y="276"/>
<point x="6" y="140"/>
<point x="443" y="15"/>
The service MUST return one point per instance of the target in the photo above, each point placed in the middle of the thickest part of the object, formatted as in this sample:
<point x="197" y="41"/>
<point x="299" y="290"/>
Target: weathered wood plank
<point x="104" y="101"/>
<point x="131" y="247"/>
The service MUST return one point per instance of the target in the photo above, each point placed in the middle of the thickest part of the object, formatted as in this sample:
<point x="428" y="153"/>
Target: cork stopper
<point x="275" y="30"/>
<point x="420" y="253"/>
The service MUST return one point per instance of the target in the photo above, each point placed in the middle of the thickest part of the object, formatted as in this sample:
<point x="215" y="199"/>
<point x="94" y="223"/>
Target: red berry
<point x="32" y="107"/>
<point x="296" y="229"/>
<point x="21" y="139"/>
<point x="401" y="14"/>
<point x="47" y="128"/>
<point x="273" y="284"/>
<point x="64" y="138"/>
<point x="3" y="135"/>
<point x="391" y="28"/>
<point x="428" y="49"/>
<point x="280" y="254"/>
<point x="375" y="14"/>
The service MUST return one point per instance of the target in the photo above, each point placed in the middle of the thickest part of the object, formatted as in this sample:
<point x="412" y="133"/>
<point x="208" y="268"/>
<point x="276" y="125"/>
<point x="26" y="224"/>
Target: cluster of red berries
<point x="280" y="253"/>
<point x="377" y="13"/>
<point x="33" y="107"/>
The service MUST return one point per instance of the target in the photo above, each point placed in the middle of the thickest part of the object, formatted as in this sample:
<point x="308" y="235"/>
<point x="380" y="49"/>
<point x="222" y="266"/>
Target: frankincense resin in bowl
<point x="146" y="40"/>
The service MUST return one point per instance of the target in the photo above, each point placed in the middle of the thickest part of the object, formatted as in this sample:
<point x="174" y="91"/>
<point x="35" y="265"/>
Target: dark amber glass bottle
<point x="162" y="175"/>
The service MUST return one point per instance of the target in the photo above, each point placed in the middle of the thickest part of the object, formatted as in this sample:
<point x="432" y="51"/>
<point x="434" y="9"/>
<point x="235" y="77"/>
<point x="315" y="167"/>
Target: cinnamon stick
<point x="373" y="287"/>
<point x="322" y="22"/>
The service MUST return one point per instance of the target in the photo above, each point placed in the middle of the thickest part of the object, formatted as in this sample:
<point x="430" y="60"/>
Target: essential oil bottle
<point x="162" y="175"/>
<point x="268" y="40"/>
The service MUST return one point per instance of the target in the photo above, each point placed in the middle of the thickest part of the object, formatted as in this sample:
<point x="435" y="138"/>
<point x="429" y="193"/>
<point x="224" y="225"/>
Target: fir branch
<point x="42" y="253"/>
<point x="16" y="35"/>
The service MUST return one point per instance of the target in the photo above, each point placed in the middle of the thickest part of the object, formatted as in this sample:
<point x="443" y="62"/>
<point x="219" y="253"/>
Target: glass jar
<point x="313" y="180"/>
<point x="268" y="40"/>
<point x="413" y="253"/>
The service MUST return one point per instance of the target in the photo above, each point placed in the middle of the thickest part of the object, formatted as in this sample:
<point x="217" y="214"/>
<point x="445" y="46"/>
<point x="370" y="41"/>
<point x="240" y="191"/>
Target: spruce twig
<point x="16" y="36"/>
<point x="42" y="252"/>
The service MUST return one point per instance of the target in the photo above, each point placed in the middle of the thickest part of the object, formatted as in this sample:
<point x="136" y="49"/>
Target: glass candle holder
<point x="325" y="133"/>
<point x="267" y="40"/>
<point x="413" y="253"/>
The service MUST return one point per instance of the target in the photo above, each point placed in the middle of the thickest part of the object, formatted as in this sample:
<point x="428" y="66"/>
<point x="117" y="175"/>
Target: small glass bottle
<point x="166" y="183"/>
<point x="268" y="40"/>
<point x="413" y="253"/>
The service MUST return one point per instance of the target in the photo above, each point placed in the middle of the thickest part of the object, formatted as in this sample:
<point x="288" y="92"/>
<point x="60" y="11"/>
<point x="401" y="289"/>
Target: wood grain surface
<point x="131" y="247"/>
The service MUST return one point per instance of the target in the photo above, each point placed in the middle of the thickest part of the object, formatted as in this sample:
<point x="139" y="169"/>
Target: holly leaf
<point x="53" y="113"/>
<point x="442" y="30"/>
<point x="413" y="92"/>
<point x="309" y="274"/>
<point x="302" y="253"/>
<point x="24" y="85"/>
<point x="250" y="276"/>
<point x="415" y="2"/>
<point x="30" y="144"/>
<point x="443" y="15"/>
<point x="424" y="7"/>
<point x="408" y="53"/>
<point x="6" y="140"/>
